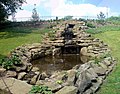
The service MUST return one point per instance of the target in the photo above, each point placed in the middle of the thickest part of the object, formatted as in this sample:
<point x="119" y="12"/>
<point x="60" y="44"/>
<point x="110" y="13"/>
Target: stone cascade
<point x="81" y="79"/>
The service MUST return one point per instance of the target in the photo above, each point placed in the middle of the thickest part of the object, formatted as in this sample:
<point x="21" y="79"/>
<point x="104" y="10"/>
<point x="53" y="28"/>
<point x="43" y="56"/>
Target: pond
<point x="57" y="63"/>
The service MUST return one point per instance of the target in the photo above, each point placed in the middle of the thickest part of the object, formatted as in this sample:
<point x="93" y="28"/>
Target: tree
<point x="7" y="7"/>
<point x="35" y="16"/>
<point x="101" y="18"/>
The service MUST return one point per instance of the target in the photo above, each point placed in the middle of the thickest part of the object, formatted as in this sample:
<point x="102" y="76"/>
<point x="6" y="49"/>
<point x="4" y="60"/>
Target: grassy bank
<point x="112" y="83"/>
<point x="12" y="37"/>
<point x="110" y="34"/>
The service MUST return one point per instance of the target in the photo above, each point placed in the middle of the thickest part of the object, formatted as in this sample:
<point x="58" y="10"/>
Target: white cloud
<point x="22" y="15"/>
<point x="64" y="8"/>
<point x="78" y="10"/>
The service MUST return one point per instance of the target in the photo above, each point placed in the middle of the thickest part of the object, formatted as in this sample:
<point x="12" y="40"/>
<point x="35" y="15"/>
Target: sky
<point x="74" y="8"/>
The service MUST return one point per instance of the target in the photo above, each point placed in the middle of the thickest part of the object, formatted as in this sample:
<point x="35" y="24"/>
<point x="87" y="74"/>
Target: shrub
<point x="90" y="25"/>
<point x="9" y="63"/>
<point x="40" y="90"/>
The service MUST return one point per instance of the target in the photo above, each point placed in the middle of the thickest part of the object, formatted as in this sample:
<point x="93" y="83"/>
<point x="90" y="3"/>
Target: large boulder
<point x="83" y="51"/>
<point x="15" y="86"/>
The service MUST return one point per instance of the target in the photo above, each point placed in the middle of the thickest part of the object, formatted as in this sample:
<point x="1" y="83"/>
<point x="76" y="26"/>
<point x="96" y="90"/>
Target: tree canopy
<point x="7" y="7"/>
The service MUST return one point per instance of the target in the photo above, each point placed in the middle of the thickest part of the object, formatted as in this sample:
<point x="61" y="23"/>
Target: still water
<point x="57" y="63"/>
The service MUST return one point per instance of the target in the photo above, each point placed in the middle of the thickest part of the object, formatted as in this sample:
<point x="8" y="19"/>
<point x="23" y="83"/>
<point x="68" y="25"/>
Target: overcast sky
<point x="70" y="7"/>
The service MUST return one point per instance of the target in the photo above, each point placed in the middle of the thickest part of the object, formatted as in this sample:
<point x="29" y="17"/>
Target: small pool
<point x="57" y="63"/>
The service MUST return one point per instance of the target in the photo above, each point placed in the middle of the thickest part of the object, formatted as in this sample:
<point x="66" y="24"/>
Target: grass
<point x="11" y="38"/>
<point x="111" y="36"/>
<point x="104" y="29"/>
<point x="112" y="83"/>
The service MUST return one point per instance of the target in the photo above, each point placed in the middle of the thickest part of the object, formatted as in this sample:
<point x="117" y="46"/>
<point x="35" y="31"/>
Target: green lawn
<point x="112" y="83"/>
<point x="110" y="34"/>
<point x="13" y="37"/>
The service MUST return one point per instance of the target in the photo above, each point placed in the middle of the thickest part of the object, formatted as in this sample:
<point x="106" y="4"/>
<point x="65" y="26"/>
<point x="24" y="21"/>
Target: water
<point x="57" y="63"/>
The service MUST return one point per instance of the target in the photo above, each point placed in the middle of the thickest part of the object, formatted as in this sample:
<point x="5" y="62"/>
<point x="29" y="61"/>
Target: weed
<point x="40" y="90"/>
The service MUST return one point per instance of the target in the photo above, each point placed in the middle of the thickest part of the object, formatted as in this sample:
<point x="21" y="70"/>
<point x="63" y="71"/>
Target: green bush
<point x="15" y="59"/>
<point x="9" y="63"/>
<point x="40" y="90"/>
<point x="90" y="25"/>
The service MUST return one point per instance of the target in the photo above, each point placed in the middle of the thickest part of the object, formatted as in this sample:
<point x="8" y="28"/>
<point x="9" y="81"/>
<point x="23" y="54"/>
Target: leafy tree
<point x="101" y="18"/>
<point x="7" y="7"/>
<point x="35" y="16"/>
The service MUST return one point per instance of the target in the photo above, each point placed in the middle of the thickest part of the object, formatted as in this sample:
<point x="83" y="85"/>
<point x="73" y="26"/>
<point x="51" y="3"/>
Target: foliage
<point x="8" y="7"/>
<point x="101" y="18"/>
<point x="90" y="25"/>
<point x="40" y="90"/>
<point x="84" y="20"/>
<point x="15" y="59"/>
<point x="35" y="16"/>
<point x="114" y="20"/>
<point x="8" y="63"/>
<point x="59" y="81"/>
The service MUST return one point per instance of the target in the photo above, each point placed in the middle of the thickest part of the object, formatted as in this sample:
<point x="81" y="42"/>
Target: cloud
<point x="65" y="7"/>
<point x="78" y="10"/>
<point x="22" y="15"/>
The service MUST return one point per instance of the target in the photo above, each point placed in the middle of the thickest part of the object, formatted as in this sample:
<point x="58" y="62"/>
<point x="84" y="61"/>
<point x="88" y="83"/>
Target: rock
<point x="15" y="86"/>
<point x="71" y="76"/>
<point x="43" y="76"/>
<point x="96" y="85"/>
<point x="89" y="91"/>
<point x="29" y="76"/>
<point x="83" y="51"/>
<point x="21" y="69"/>
<point x="83" y="82"/>
<point x="11" y="74"/>
<point x="40" y="82"/>
<point x="100" y="71"/>
<point x="56" y="51"/>
<point x="84" y="67"/>
<point x="67" y="90"/>
<point x="29" y="68"/>
<point x="103" y="66"/>
<point x="53" y="86"/>
<point x="21" y="75"/>
<point x="92" y="73"/>
<point x="107" y="61"/>
<point x="2" y="70"/>
<point x="35" y="69"/>
<point x="34" y="80"/>
<point x="83" y="58"/>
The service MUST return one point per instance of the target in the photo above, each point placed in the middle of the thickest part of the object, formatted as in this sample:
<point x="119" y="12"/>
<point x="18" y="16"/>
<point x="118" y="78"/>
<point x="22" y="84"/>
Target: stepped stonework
<point x="81" y="79"/>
